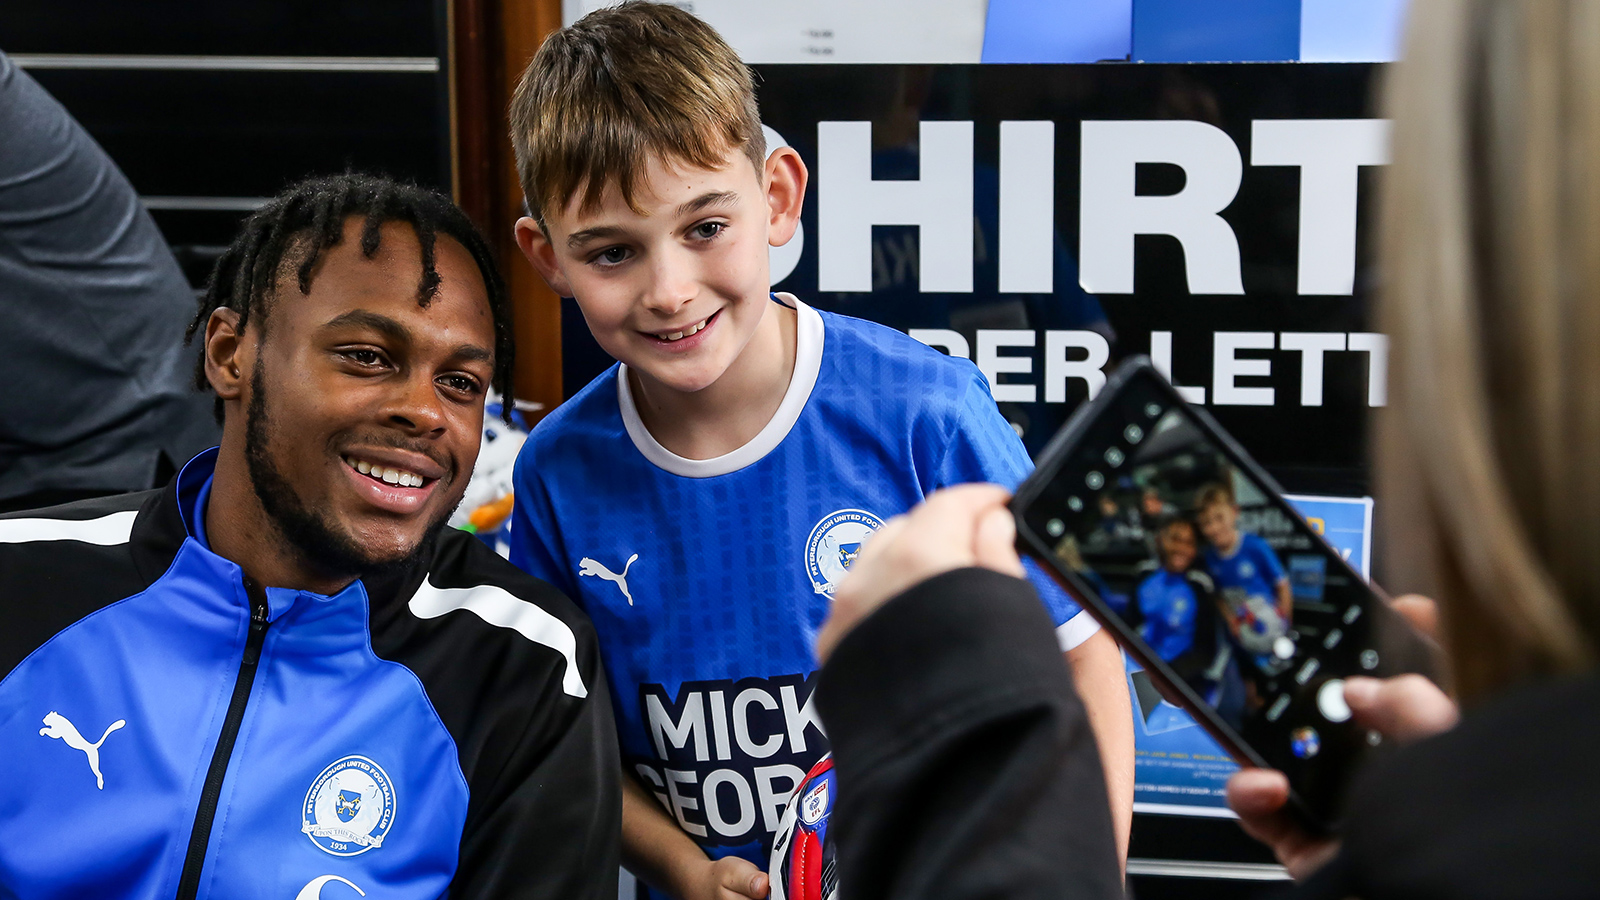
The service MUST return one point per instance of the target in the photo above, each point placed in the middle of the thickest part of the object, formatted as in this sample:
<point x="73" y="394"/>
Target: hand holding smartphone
<point x="1186" y="551"/>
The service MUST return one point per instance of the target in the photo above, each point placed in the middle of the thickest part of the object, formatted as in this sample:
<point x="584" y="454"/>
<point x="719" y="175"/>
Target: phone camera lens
<point x="1095" y="481"/>
<point x="1074" y="504"/>
<point x="1369" y="659"/>
<point x="1114" y="457"/>
<point x="1374" y="739"/>
<point x="1133" y="433"/>
<point x="1055" y="527"/>
<point x="1152" y="410"/>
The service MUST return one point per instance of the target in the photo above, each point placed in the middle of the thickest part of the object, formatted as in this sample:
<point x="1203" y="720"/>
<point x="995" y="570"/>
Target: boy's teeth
<point x="680" y="335"/>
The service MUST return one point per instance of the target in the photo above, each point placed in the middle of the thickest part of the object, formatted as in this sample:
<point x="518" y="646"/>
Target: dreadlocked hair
<point x="297" y="226"/>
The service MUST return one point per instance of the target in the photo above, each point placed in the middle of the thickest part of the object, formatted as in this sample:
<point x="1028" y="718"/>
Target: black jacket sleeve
<point x="540" y="758"/>
<point x="965" y="762"/>
<point x="552" y="826"/>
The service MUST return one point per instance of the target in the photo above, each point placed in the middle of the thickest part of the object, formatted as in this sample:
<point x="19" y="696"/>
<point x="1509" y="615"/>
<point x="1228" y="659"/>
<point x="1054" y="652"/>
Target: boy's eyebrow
<point x="708" y="200"/>
<point x="588" y="234"/>
<point x="698" y="204"/>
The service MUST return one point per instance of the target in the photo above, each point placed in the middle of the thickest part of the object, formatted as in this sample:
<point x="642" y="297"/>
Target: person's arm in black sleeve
<point x="966" y="765"/>
<point x="551" y="825"/>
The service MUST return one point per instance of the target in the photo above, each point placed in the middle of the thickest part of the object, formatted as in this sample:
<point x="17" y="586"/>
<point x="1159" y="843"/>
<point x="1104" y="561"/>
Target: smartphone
<point x="1236" y="608"/>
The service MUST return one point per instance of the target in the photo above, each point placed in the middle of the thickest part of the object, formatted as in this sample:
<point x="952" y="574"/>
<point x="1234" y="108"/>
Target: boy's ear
<point x="786" y="178"/>
<point x="536" y="246"/>
<point x="228" y="354"/>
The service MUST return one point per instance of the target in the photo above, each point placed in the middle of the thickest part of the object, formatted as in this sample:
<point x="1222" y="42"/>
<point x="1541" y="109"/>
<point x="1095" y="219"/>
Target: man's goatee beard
<point x="315" y="536"/>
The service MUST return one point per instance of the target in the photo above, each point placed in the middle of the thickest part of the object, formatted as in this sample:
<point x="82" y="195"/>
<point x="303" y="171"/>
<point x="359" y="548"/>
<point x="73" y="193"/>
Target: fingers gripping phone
<point x="1239" y="612"/>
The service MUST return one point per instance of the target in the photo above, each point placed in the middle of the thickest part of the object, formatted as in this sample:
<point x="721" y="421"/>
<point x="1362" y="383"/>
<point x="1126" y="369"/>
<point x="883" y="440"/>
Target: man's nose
<point x="416" y="406"/>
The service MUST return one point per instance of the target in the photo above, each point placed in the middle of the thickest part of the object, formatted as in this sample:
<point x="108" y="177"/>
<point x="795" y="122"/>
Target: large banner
<point x="1047" y="221"/>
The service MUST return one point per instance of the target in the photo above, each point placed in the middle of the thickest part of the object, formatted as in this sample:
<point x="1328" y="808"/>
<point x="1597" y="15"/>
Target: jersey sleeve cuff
<point x="1075" y="631"/>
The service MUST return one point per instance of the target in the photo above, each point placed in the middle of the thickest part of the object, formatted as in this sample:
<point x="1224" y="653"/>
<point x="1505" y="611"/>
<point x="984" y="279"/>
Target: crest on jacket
<point x="349" y="808"/>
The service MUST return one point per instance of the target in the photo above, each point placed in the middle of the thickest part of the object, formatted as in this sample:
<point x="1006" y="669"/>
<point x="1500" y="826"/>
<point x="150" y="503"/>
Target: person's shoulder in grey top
<point x="97" y="380"/>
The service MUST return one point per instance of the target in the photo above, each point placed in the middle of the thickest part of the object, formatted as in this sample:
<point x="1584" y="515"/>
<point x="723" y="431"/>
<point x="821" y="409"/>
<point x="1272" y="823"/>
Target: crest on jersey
<point x="814" y="805"/>
<point x="349" y="807"/>
<point x="834" y="544"/>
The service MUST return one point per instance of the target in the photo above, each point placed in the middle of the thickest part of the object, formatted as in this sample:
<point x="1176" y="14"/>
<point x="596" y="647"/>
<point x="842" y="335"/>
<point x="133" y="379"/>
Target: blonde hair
<point x="1489" y="454"/>
<point x="1214" y="494"/>
<point x="620" y="86"/>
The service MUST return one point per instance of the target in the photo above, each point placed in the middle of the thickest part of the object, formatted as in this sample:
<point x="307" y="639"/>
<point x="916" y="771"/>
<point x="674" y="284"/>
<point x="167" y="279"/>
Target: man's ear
<point x="786" y="178"/>
<point x="228" y="354"/>
<point x="536" y="246"/>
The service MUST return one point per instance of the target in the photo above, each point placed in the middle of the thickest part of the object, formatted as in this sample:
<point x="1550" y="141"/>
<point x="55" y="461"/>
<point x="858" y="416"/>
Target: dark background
<point x="216" y="137"/>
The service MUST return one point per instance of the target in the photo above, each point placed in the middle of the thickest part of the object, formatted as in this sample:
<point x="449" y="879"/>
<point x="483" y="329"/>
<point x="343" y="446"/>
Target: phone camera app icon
<point x="1305" y="742"/>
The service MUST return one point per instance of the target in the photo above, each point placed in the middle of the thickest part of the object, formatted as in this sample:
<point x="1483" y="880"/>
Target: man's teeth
<point x="680" y="335"/>
<point x="388" y="475"/>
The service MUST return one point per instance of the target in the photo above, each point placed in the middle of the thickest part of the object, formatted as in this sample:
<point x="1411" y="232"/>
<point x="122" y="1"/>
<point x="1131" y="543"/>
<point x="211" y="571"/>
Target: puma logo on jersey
<point x="57" y="726"/>
<point x="587" y="566"/>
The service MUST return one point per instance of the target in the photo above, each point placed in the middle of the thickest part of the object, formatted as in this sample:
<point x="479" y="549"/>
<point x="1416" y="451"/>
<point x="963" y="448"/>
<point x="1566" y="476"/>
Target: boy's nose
<point x="672" y="285"/>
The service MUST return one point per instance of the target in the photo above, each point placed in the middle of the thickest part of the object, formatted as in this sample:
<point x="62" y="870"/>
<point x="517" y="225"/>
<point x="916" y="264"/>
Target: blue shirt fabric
<point x="707" y="580"/>
<point x="1168" y="604"/>
<point x="357" y="729"/>
<point x="320" y="696"/>
<point x="1253" y="568"/>
<point x="1247" y="583"/>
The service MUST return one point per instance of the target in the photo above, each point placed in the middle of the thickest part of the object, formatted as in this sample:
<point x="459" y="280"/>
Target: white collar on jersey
<point x="807" y="363"/>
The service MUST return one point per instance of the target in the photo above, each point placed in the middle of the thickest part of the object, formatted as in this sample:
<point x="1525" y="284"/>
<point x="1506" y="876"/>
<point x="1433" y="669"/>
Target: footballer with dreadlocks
<point x="298" y="676"/>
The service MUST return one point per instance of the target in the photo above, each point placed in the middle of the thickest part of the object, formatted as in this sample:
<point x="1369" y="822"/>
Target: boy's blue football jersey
<point x="1252" y="569"/>
<point x="707" y="580"/>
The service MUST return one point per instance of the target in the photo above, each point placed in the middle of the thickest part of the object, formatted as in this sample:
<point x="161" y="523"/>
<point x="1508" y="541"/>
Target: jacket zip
<point x="200" y="837"/>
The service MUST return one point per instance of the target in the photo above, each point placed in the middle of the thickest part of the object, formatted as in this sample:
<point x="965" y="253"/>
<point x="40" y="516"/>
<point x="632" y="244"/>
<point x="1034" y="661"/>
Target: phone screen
<point x="1218" y="585"/>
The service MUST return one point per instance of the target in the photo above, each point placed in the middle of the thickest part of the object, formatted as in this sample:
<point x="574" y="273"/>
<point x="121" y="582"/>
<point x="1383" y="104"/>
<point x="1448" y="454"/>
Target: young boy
<point x="702" y="499"/>
<point x="1253" y="589"/>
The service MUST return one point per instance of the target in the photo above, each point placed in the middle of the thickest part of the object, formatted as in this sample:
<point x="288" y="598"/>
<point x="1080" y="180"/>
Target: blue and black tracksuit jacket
<point x="168" y="729"/>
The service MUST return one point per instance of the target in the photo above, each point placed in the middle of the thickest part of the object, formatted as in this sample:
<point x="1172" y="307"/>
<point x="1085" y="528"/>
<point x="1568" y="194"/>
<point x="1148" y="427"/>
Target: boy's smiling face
<point x="1218" y="524"/>
<point x="676" y="289"/>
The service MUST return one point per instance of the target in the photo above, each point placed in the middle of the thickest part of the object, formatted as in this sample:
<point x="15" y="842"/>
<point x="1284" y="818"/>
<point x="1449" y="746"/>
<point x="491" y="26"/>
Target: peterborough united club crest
<point x="349" y="808"/>
<point x="833" y="546"/>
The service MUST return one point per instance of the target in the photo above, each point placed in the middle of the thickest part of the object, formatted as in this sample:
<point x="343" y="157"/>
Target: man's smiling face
<point x="364" y="409"/>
